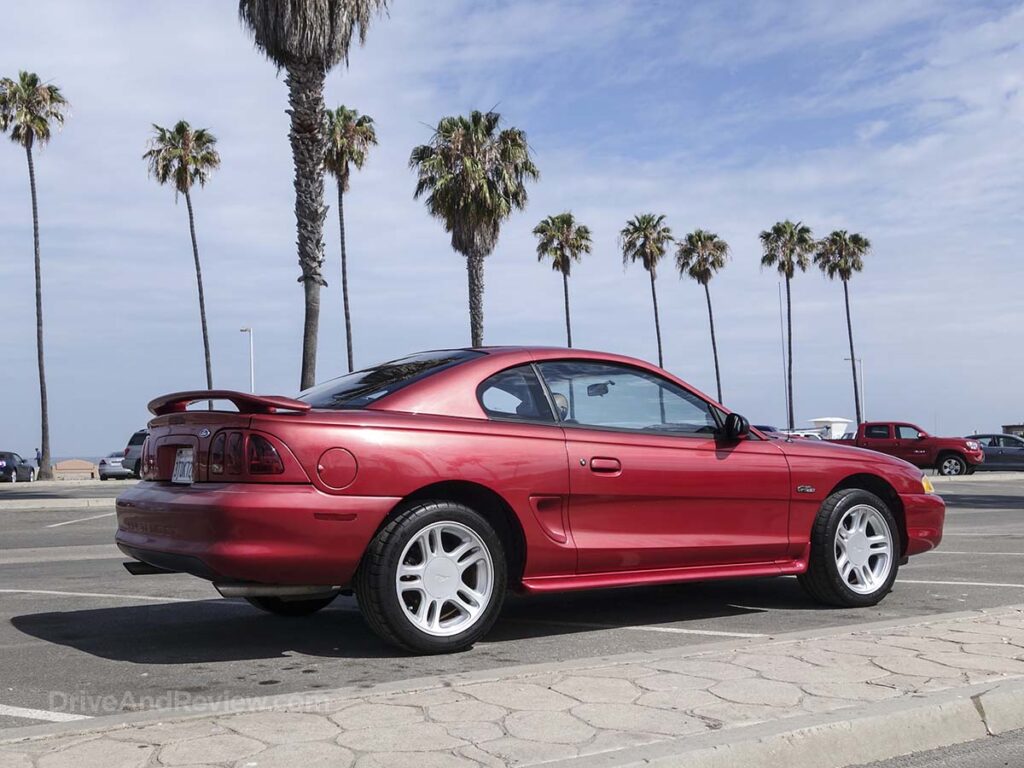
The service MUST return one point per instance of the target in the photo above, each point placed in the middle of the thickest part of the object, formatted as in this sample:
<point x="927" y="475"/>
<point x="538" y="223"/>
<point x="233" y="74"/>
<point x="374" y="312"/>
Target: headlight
<point x="926" y="483"/>
<point x="972" y="445"/>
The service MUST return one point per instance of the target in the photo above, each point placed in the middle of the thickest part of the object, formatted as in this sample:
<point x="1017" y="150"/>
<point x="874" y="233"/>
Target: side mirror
<point x="736" y="426"/>
<point x="921" y="436"/>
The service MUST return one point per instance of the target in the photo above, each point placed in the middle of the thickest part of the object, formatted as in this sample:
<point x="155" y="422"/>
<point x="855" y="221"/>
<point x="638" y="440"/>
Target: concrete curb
<point x="311" y="701"/>
<point x="23" y="505"/>
<point x="977" y="477"/>
<point x="840" y="739"/>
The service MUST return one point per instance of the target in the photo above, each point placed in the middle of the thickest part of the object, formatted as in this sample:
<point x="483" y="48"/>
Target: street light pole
<point x="860" y="364"/>
<point x="252" y="363"/>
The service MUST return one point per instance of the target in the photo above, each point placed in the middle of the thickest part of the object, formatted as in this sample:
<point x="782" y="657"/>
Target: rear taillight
<point x="217" y="454"/>
<point x="263" y="458"/>
<point x="148" y="460"/>
<point x="233" y="454"/>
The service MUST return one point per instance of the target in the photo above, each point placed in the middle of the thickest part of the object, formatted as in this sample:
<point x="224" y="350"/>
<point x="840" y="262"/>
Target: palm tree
<point x="787" y="247"/>
<point x="645" y="238"/>
<point x="29" y="109"/>
<point x="564" y="241"/>
<point x="474" y="177"/>
<point x="840" y="255"/>
<point x="700" y="256"/>
<point x="183" y="156"/>
<point x="349" y="138"/>
<point x="307" y="39"/>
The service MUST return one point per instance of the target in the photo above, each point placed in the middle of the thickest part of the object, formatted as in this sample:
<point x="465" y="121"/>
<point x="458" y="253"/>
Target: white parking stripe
<point x="40" y="714"/>
<point x="956" y="552"/>
<point x="82" y="520"/>
<point x="671" y="630"/>
<point x="97" y="594"/>
<point x="961" y="583"/>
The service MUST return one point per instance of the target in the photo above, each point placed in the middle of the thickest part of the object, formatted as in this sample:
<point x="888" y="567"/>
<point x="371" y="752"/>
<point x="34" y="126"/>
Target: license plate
<point x="182" y="467"/>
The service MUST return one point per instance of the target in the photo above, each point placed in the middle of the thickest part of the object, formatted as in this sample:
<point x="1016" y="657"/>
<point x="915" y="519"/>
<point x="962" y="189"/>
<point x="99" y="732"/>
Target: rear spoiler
<point x="246" y="403"/>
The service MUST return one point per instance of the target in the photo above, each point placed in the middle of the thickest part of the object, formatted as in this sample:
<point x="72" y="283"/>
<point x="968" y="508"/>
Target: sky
<point x="898" y="119"/>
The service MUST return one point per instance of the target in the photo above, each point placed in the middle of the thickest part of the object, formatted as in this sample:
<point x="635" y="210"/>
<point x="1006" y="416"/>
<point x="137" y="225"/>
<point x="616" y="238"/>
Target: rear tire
<point x="281" y="607"/>
<point x="952" y="465"/>
<point x="433" y="578"/>
<point x="855" y="550"/>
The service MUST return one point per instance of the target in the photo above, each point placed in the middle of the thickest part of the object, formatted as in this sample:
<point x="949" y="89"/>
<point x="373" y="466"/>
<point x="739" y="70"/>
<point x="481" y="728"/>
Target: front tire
<point x="281" y="607"/>
<point x="433" y="579"/>
<point x="855" y="550"/>
<point x="952" y="465"/>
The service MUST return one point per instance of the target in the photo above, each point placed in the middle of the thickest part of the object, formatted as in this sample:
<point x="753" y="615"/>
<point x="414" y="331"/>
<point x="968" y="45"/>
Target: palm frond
<point x="30" y="108"/>
<point x="701" y="254"/>
<point x="182" y="156"/>
<point x="645" y="239"/>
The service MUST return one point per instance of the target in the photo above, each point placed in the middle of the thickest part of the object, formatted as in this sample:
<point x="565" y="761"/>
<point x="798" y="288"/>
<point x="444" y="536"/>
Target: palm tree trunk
<point x="306" y="99"/>
<point x="44" y="412"/>
<point x="568" y="324"/>
<point x="789" y="343"/>
<point x="202" y="298"/>
<point x="344" y="275"/>
<point x="657" y="322"/>
<point x="853" y="357"/>
<point x="475" y="269"/>
<point x="714" y="343"/>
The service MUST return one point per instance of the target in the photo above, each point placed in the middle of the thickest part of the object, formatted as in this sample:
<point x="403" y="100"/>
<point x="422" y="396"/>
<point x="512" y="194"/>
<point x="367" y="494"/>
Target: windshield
<point x="359" y="389"/>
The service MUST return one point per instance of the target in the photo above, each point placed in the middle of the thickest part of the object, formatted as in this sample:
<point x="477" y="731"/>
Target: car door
<point x="1011" y="450"/>
<point x="651" y="482"/>
<point x="909" y="446"/>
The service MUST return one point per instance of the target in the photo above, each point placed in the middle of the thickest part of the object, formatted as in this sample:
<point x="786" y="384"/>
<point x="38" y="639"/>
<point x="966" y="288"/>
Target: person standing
<point x="39" y="458"/>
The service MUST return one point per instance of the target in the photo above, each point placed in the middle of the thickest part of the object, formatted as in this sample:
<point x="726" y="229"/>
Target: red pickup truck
<point x="948" y="455"/>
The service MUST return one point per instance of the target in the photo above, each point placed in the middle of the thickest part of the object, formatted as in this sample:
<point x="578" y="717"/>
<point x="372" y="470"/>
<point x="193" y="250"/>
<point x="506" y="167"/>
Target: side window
<point x="515" y="394"/>
<point x="1010" y="442"/>
<point x="877" y="432"/>
<point x="904" y="432"/>
<point x="612" y="396"/>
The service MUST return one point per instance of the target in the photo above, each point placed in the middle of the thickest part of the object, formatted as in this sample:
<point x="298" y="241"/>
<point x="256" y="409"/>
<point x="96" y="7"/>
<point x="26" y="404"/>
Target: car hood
<point x="828" y="450"/>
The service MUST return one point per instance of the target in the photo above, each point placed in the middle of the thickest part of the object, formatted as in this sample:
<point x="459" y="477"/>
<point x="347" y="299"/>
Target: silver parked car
<point x="112" y="465"/>
<point x="132" y="460"/>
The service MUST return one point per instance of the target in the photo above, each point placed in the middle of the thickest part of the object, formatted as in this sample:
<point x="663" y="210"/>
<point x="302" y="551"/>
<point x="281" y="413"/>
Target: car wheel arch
<point x="883" y="490"/>
<point x="485" y="501"/>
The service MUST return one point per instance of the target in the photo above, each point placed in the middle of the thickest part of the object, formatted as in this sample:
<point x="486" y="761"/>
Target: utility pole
<point x="252" y="363"/>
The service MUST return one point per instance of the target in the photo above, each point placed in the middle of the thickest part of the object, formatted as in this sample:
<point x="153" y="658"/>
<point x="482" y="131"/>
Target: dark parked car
<point x="14" y="469"/>
<point x="1001" y="451"/>
<point x="132" y="458"/>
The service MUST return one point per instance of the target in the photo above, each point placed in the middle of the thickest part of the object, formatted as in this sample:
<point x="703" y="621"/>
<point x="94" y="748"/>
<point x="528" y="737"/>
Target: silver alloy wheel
<point x="950" y="466"/>
<point x="863" y="549"/>
<point x="445" y="579"/>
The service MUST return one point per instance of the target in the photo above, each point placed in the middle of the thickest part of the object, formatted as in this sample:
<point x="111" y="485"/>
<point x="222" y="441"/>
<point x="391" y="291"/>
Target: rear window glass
<point x="359" y="389"/>
<point x="138" y="438"/>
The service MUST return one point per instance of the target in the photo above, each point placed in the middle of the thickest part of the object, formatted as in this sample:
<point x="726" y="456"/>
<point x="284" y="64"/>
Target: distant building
<point x="1013" y="429"/>
<point x="832" y="427"/>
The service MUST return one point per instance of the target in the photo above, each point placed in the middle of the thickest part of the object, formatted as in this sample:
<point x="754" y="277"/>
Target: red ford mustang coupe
<point x="432" y="484"/>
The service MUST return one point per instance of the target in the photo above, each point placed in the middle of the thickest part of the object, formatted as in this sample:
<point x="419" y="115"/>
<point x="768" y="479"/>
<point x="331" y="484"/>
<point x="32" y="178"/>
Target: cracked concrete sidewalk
<point x="597" y="712"/>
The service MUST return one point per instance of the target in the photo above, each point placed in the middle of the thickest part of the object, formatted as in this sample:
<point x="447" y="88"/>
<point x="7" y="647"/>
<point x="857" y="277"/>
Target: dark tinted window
<point x="877" y="431"/>
<point x="138" y="438"/>
<point x="1011" y="442"/>
<point x="515" y="394"/>
<point x="359" y="389"/>
<point x="612" y="396"/>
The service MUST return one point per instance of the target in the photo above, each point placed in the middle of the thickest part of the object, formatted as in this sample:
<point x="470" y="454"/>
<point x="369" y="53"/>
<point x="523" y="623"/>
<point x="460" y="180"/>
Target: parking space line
<point x="57" y="593"/>
<point x="635" y="628"/>
<point x="40" y="714"/>
<point x="82" y="520"/>
<point x="961" y="552"/>
<point x="961" y="583"/>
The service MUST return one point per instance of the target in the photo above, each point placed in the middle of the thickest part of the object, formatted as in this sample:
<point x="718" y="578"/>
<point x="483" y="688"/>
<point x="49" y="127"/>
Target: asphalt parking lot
<point x="76" y="630"/>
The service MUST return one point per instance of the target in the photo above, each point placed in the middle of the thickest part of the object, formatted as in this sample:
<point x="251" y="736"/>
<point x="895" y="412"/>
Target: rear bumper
<point x="272" y="534"/>
<point x="925" y="515"/>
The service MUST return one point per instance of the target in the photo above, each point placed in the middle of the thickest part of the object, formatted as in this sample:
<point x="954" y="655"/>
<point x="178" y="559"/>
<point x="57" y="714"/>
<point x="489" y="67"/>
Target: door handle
<point x="605" y="466"/>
